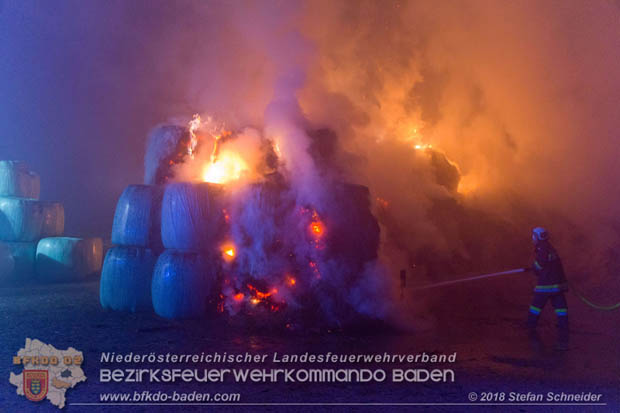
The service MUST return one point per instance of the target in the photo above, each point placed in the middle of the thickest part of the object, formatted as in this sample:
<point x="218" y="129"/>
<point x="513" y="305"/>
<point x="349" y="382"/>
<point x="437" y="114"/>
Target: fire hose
<point x="516" y="271"/>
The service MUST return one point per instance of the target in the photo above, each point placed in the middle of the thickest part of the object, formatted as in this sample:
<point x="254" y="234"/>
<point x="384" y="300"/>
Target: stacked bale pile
<point x="30" y="233"/>
<point x="192" y="223"/>
<point x="163" y="238"/>
<point x="136" y="238"/>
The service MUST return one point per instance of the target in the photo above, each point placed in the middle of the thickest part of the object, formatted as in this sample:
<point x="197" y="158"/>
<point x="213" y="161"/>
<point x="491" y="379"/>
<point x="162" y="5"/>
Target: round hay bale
<point x="53" y="220"/>
<point x="446" y="173"/>
<point x="353" y="232"/>
<point x="17" y="261"/>
<point x="191" y="216"/>
<point x="68" y="259"/>
<point x="138" y="217"/>
<point x="182" y="284"/>
<point x="126" y="279"/>
<point x="18" y="181"/>
<point x="6" y="263"/>
<point x="20" y="219"/>
<point x="23" y="254"/>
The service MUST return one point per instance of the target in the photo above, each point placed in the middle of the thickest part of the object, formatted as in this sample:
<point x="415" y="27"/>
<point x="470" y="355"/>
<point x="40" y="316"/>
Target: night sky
<point x="80" y="91"/>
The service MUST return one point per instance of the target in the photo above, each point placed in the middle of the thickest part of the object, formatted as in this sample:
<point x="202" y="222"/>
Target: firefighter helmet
<point x="539" y="234"/>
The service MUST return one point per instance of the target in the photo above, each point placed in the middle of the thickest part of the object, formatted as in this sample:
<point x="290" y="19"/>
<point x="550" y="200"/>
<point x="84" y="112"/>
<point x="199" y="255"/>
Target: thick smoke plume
<point x="518" y="100"/>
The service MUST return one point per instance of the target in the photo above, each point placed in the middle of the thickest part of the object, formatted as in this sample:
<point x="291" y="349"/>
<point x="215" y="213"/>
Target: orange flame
<point x="228" y="252"/>
<point x="422" y="146"/>
<point x="227" y="166"/>
<point x="194" y="124"/>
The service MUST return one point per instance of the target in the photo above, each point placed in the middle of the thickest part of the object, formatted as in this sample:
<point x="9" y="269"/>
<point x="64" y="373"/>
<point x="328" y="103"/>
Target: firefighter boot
<point x="562" y="343"/>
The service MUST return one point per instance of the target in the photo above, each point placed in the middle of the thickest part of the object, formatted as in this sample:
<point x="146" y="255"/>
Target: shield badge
<point x="35" y="384"/>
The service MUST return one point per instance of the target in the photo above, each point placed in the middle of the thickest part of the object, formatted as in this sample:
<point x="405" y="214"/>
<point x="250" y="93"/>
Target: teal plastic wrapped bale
<point x="53" y="219"/>
<point x="17" y="262"/>
<point x="16" y="180"/>
<point x="126" y="279"/>
<point x="182" y="284"/>
<point x="192" y="217"/>
<point x="68" y="259"/>
<point x="21" y="220"/>
<point x="138" y="217"/>
<point x="6" y="263"/>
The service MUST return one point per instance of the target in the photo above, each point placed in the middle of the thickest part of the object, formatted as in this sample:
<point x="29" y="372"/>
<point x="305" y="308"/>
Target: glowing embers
<point x="264" y="297"/>
<point x="315" y="269"/>
<point x="250" y="298"/>
<point x="315" y="226"/>
<point x="382" y="202"/>
<point x="228" y="251"/>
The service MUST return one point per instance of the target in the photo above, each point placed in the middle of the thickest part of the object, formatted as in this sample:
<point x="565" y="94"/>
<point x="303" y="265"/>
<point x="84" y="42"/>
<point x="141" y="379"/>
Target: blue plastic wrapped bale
<point x="192" y="217"/>
<point x="16" y="180"/>
<point x="68" y="259"/>
<point x="182" y="284"/>
<point x="21" y="220"/>
<point x="138" y="217"/>
<point x="126" y="279"/>
<point x="53" y="219"/>
<point x="17" y="261"/>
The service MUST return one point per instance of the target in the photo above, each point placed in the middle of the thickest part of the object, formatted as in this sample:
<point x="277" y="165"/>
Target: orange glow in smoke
<point x="422" y="146"/>
<point x="467" y="185"/>
<point x="228" y="252"/>
<point x="316" y="226"/>
<point x="315" y="269"/>
<point x="382" y="202"/>
<point x="238" y="297"/>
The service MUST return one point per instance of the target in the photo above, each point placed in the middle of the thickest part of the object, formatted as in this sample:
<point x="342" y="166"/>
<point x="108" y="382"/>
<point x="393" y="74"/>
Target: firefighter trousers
<point x="558" y="301"/>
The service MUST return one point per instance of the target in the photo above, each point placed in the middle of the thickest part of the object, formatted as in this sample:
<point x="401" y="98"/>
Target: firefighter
<point x="551" y="286"/>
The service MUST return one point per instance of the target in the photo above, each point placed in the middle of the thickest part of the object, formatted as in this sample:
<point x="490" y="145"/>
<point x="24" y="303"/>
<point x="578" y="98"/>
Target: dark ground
<point x="493" y="354"/>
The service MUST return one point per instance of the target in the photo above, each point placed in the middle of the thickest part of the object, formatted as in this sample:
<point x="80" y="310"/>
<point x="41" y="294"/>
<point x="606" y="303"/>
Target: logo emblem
<point x="35" y="384"/>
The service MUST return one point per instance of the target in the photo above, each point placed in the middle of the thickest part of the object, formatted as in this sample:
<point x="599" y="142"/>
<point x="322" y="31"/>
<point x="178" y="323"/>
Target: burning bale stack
<point x="242" y="237"/>
<point x="31" y="230"/>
